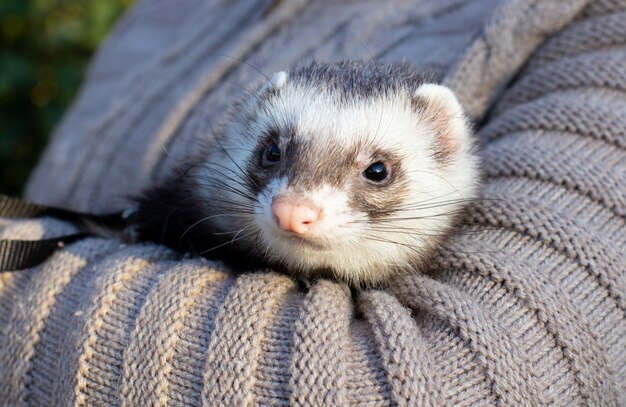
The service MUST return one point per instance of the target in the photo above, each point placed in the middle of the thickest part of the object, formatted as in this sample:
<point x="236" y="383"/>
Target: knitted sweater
<point x="525" y="306"/>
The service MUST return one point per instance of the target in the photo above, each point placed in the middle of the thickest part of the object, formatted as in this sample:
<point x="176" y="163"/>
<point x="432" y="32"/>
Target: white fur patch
<point x="279" y="79"/>
<point x="443" y="94"/>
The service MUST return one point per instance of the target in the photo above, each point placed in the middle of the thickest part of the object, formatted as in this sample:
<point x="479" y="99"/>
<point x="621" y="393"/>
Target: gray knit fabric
<point x="526" y="306"/>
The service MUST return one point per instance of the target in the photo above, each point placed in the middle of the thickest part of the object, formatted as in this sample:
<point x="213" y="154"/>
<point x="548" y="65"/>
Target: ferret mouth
<point x="306" y="241"/>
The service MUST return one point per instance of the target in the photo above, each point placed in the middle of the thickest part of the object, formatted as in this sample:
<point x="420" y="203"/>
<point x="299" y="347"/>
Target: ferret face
<point x="359" y="186"/>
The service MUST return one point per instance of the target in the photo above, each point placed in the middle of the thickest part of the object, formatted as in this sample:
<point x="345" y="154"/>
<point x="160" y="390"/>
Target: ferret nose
<point x="294" y="215"/>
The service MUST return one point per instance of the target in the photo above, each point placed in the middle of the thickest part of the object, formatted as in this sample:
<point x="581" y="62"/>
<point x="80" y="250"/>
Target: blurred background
<point x="45" y="46"/>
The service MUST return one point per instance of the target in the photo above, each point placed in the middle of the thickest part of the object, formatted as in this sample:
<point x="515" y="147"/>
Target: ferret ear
<point x="440" y="110"/>
<point x="277" y="81"/>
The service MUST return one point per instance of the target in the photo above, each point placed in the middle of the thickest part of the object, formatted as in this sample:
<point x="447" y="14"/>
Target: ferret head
<point x="357" y="170"/>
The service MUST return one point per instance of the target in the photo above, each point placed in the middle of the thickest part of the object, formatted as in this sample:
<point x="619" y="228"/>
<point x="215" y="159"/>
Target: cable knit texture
<point x="524" y="307"/>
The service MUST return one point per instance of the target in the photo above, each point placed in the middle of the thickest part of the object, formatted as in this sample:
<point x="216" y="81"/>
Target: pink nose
<point x="293" y="215"/>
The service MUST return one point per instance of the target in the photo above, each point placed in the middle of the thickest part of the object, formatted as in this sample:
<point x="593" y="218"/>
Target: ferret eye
<point x="376" y="172"/>
<point x="272" y="153"/>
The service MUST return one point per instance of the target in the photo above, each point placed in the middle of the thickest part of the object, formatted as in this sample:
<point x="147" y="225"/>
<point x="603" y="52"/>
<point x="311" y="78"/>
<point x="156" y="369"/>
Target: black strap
<point x="11" y="207"/>
<point x="17" y="208"/>
<point x="22" y="254"/>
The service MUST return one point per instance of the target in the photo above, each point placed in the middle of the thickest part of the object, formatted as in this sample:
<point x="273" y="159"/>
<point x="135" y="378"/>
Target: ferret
<point x="355" y="171"/>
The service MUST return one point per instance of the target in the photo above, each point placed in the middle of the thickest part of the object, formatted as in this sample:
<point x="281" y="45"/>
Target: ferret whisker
<point x="411" y="214"/>
<point x="214" y="178"/>
<point x="176" y="166"/>
<point x="225" y="187"/>
<point x="239" y="232"/>
<point x="227" y="195"/>
<point x="257" y="243"/>
<point x="222" y="149"/>
<point x="241" y="61"/>
<point x="227" y="204"/>
<point x="226" y="243"/>
<point x="385" y="240"/>
<point x="220" y="180"/>
<point x="232" y="210"/>
<point x="216" y="182"/>
<point x="406" y="218"/>
<point x="378" y="135"/>
<point x="372" y="58"/>
<point x="210" y="167"/>
<point x="203" y="220"/>
<point x="380" y="121"/>
<point x="432" y="233"/>
<point x="398" y="230"/>
<point x="466" y="201"/>
<point x="415" y="248"/>
<point x="415" y="232"/>
<point x="221" y="184"/>
<point x="454" y="188"/>
<point x="238" y="174"/>
<point x="235" y="163"/>
<point x="421" y="206"/>
<point x="226" y="201"/>
<point x="224" y="206"/>
<point x="414" y="208"/>
<point x="436" y="197"/>
<point x="260" y="102"/>
<point x="267" y="78"/>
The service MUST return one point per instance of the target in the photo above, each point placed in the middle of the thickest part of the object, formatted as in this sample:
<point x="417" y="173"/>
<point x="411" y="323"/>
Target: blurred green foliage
<point x="45" y="46"/>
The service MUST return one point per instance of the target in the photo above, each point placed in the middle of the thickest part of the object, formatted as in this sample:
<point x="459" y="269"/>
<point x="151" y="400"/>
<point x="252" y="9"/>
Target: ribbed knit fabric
<point x="525" y="306"/>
